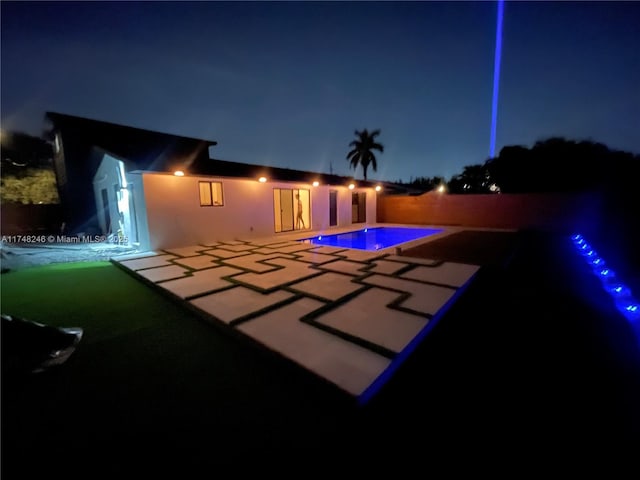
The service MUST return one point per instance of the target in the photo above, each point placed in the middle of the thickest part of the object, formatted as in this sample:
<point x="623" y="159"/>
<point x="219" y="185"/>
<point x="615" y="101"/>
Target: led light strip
<point x="621" y="294"/>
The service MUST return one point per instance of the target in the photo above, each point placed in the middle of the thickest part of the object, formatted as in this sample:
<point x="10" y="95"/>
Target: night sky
<point x="286" y="84"/>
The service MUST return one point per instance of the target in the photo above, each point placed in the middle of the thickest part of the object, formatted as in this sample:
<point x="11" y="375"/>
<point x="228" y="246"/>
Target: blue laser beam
<point x="496" y="79"/>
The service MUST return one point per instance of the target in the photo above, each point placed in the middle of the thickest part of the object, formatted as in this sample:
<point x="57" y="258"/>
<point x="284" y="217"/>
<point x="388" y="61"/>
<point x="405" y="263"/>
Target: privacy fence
<point x="18" y="219"/>
<point x="564" y="213"/>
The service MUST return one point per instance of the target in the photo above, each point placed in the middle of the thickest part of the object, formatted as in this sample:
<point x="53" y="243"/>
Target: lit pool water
<point x="373" y="238"/>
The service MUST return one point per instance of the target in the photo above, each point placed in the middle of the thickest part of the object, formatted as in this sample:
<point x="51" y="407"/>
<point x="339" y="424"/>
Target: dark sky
<point x="286" y="84"/>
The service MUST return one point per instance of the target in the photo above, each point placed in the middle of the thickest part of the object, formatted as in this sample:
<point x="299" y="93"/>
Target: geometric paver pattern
<point x="200" y="282"/>
<point x="349" y="316"/>
<point x="330" y="286"/>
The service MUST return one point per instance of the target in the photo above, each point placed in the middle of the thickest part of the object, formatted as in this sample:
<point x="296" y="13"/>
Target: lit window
<point x="211" y="194"/>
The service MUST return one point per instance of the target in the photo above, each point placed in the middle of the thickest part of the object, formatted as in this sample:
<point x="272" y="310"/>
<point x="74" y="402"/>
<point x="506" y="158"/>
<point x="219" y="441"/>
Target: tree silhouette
<point x="473" y="179"/>
<point x="426" y="184"/>
<point x="362" y="153"/>
<point x="552" y="165"/>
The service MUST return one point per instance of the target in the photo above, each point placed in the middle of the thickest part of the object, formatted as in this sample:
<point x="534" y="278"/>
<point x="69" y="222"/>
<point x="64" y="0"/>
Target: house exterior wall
<point x="175" y="218"/>
<point x="139" y="212"/>
<point x="561" y="212"/>
<point x="107" y="177"/>
<point x="80" y="143"/>
<point x="119" y="216"/>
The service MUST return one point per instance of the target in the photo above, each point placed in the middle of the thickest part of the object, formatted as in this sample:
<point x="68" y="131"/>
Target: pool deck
<point x="348" y="316"/>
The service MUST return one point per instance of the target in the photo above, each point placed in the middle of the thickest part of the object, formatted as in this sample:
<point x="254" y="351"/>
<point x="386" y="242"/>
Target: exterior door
<point x="105" y="209"/>
<point x="333" y="208"/>
<point x="359" y="207"/>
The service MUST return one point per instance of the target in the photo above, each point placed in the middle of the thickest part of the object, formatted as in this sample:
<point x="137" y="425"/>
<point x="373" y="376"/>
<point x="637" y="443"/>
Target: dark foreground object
<point x="30" y="347"/>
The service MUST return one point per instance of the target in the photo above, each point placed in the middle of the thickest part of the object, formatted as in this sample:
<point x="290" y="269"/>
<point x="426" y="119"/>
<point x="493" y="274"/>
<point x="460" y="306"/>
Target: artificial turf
<point x="148" y="376"/>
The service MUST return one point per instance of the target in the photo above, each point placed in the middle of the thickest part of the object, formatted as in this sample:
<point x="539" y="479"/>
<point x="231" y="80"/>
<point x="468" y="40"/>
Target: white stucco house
<point x="155" y="190"/>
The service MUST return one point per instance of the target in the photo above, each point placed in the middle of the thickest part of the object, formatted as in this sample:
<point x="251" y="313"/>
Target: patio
<point x="348" y="316"/>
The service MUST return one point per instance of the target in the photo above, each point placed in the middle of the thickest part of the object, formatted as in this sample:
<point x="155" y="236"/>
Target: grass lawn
<point x="152" y="386"/>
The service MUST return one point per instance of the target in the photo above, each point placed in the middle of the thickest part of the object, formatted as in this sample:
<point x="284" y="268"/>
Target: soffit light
<point x="179" y="173"/>
<point x="262" y="179"/>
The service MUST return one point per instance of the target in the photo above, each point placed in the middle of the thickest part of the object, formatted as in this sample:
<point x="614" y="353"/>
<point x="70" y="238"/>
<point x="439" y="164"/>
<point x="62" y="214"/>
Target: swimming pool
<point x="373" y="238"/>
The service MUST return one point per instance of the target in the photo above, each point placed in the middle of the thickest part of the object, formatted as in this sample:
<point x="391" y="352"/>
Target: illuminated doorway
<point x="291" y="209"/>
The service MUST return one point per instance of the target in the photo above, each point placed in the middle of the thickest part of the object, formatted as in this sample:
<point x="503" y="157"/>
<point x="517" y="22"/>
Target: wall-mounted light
<point x="378" y="188"/>
<point x="441" y="189"/>
<point x="351" y="186"/>
<point x="262" y="179"/>
<point x="315" y="183"/>
<point x="179" y="173"/>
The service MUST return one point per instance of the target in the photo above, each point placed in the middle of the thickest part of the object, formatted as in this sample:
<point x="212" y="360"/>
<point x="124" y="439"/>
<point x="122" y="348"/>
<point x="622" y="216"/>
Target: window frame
<point x="212" y="197"/>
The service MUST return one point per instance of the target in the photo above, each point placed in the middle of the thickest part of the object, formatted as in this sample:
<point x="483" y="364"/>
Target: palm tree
<point x="362" y="153"/>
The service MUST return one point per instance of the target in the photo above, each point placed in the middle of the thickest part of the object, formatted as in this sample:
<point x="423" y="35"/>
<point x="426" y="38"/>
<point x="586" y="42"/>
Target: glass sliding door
<point x="291" y="209"/>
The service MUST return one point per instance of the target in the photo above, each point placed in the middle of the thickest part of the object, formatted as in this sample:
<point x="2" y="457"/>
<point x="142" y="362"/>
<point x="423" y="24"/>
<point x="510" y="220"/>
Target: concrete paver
<point x="455" y="274"/>
<point x="148" y="262"/>
<point x="368" y="317"/>
<point x="204" y="281"/>
<point x="197" y="263"/>
<point x="331" y="286"/>
<point x="238" y="302"/>
<point x="345" y="315"/>
<point x="345" y="266"/>
<point x="162" y="273"/>
<point x="349" y="366"/>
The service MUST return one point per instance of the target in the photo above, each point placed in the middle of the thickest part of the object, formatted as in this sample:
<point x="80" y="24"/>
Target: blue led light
<point x="621" y="294"/>
<point x="619" y="290"/>
<point x="606" y="274"/>
<point x="631" y="311"/>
